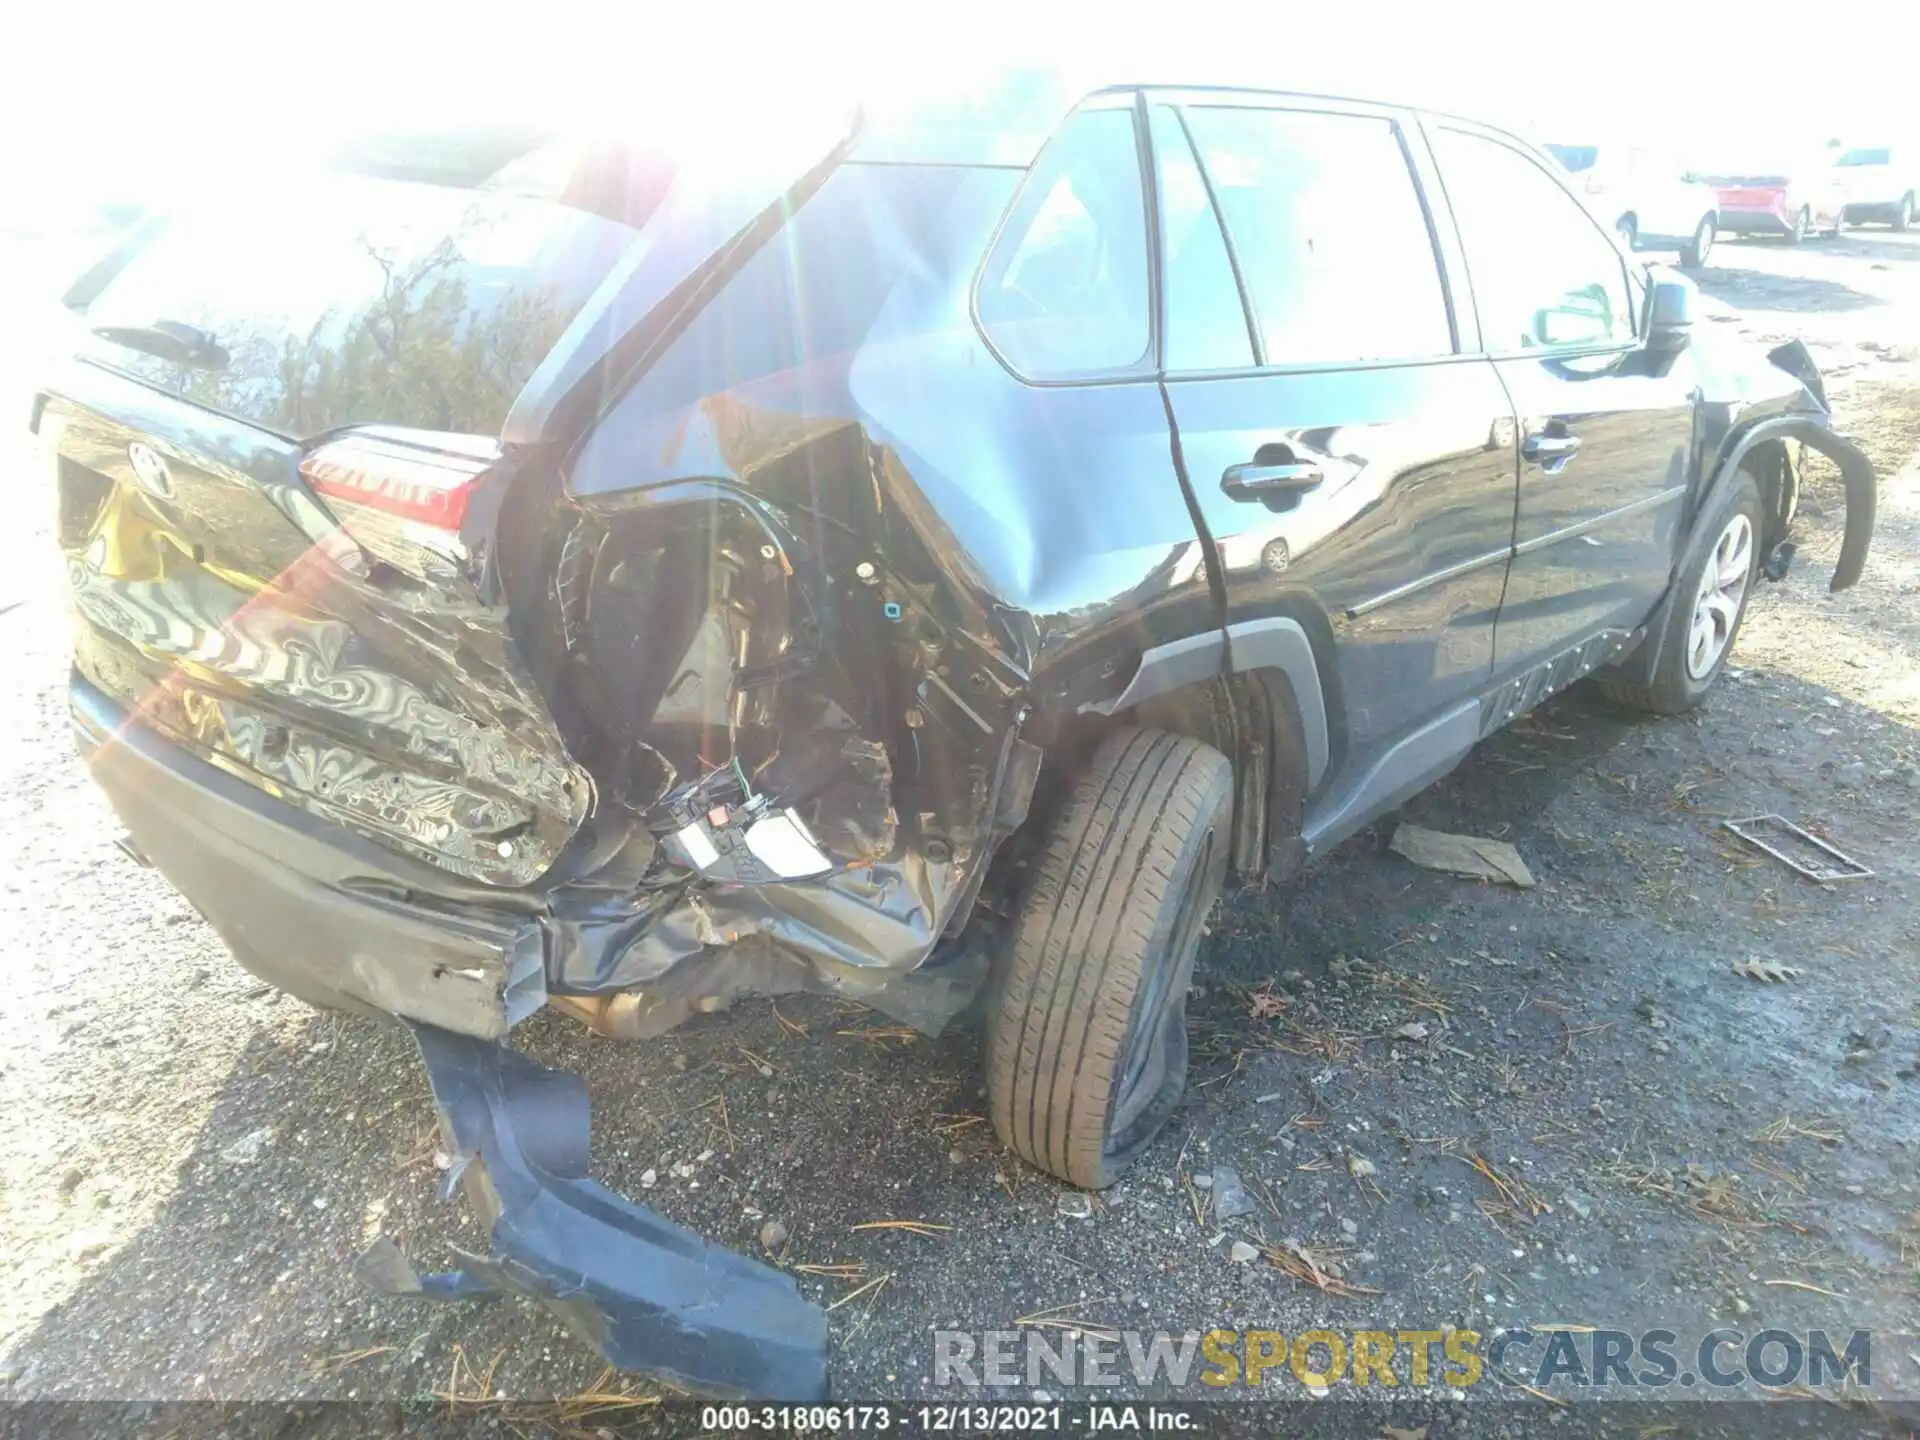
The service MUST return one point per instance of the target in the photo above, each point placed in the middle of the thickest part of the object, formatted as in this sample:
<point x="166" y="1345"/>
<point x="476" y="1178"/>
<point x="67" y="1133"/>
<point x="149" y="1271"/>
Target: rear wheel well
<point x="1252" y="717"/>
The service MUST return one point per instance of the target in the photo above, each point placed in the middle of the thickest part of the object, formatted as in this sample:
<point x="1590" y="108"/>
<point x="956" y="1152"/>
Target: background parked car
<point x="1790" y="199"/>
<point x="1646" y="194"/>
<point x="1880" y="183"/>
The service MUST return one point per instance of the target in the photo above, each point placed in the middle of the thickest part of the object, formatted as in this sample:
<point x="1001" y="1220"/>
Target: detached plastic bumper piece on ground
<point x="649" y="1295"/>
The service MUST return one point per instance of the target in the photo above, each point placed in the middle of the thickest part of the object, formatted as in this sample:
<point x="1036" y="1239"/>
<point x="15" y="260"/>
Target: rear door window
<point x="1330" y="233"/>
<point x="1064" y="291"/>
<point x="1544" y="274"/>
<point x="1205" y="317"/>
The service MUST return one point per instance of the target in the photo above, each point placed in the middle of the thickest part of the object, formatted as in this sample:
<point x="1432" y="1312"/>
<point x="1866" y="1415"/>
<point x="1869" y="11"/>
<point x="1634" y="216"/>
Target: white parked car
<point x="1881" y="183"/>
<point x="1646" y="194"/>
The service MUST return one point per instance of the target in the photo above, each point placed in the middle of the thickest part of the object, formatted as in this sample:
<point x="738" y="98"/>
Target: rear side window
<point x="1330" y="234"/>
<point x="1064" y="291"/>
<point x="1544" y="275"/>
<point x="1206" y="321"/>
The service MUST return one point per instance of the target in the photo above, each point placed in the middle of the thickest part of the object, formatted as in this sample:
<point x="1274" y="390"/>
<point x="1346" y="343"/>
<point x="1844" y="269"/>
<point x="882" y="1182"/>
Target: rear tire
<point x="1903" y="217"/>
<point x="1086" y="1052"/>
<point x="1802" y="223"/>
<point x="1710" y="592"/>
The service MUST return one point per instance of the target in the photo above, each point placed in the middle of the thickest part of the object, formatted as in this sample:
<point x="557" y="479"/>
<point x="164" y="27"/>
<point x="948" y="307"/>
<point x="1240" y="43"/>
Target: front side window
<point x="1064" y="292"/>
<point x="1577" y="158"/>
<point x="1330" y="234"/>
<point x="1544" y="274"/>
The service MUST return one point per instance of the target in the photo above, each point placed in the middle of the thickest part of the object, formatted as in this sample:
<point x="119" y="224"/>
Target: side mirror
<point x="1670" y="307"/>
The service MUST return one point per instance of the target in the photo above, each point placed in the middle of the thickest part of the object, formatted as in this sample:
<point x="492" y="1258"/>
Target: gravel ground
<point x="1591" y="1120"/>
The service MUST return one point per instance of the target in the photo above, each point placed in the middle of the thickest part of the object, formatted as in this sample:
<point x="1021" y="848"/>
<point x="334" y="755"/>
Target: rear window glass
<point x="346" y="299"/>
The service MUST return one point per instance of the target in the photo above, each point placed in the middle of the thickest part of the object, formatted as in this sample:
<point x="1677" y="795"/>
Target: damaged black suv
<point x="519" y="570"/>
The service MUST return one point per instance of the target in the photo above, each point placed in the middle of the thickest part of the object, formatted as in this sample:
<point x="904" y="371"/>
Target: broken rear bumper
<point x="336" y="920"/>
<point x="309" y="906"/>
<point x="1754" y="220"/>
<point x="648" y="1294"/>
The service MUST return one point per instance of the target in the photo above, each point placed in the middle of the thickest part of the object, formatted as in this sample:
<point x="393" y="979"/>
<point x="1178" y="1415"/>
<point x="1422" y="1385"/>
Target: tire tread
<point x="1102" y="889"/>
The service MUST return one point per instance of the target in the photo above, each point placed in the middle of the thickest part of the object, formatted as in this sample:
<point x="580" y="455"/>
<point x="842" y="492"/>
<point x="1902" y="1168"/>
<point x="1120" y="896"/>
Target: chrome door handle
<point x="1269" y="482"/>
<point x="1543" y="447"/>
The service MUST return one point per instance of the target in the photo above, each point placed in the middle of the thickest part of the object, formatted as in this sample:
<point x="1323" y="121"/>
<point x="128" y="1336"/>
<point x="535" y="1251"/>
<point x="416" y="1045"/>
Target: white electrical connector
<point x="781" y="843"/>
<point x="699" y="849"/>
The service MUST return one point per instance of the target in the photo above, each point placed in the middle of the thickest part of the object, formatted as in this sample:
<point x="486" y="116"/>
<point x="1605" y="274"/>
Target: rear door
<point x="1670" y="209"/>
<point x="1604" y="432"/>
<point x="1353" y="461"/>
<point x="1867" y="177"/>
<point x="277" y="467"/>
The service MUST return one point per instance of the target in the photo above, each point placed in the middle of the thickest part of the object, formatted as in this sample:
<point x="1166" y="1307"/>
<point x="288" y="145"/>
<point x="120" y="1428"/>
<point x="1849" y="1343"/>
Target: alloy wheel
<point x="1716" y="605"/>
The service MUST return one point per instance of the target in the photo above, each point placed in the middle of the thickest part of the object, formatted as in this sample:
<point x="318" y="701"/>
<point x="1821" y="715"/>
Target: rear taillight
<point x="403" y="494"/>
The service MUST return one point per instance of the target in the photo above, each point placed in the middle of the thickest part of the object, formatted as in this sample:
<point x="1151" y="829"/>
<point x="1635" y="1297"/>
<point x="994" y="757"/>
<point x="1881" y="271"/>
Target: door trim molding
<point x="1413" y="587"/>
<point x="1576" y="530"/>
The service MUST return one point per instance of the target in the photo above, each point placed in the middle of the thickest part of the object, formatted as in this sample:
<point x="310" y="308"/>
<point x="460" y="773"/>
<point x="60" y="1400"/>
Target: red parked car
<point x="1790" y="203"/>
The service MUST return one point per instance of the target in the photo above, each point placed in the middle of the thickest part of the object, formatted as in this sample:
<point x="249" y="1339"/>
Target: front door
<point x="1605" y="430"/>
<point x="1354" y="468"/>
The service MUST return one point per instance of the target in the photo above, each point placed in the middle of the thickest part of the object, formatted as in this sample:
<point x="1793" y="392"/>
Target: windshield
<point x="1866" y="157"/>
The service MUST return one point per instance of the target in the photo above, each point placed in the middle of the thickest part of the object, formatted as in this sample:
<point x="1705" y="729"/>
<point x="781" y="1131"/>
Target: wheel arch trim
<point x="1857" y="478"/>
<point x="1277" y="642"/>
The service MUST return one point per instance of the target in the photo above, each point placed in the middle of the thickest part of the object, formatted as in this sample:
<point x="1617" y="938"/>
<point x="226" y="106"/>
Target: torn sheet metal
<point x="650" y="1296"/>
<point x="795" y="706"/>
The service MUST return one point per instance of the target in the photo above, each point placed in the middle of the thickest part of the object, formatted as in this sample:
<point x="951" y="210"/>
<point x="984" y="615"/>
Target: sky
<point x="112" y="99"/>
